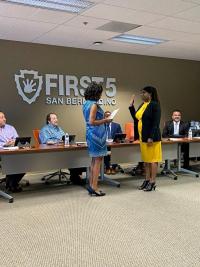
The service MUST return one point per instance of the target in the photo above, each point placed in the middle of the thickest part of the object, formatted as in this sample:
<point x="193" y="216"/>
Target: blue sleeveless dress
<point x="95" y="134"/>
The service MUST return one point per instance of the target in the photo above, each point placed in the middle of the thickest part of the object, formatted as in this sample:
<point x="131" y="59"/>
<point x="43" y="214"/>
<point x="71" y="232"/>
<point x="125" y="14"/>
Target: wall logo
<point x="29" y="85"/>
<point x="60" y="89"/>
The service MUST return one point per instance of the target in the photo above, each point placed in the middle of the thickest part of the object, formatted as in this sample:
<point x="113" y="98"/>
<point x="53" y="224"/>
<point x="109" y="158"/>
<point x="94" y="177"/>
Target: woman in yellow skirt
<point x="146" y="122"/>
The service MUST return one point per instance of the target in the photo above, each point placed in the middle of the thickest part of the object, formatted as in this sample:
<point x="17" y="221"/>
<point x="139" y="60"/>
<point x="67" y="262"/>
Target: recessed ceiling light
<point x="73" y="6"/>
<point x="98" y="43"/>
<point x="138" y="39"/>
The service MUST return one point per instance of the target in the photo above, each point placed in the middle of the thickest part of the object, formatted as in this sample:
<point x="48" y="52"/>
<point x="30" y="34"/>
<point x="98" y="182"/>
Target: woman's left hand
<point x="150" y="141"/>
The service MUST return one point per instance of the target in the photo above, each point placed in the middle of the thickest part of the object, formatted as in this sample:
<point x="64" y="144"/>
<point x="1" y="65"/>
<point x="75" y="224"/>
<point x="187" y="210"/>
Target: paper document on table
<point x="112" y="115"/>
<point x="11" y="148"/>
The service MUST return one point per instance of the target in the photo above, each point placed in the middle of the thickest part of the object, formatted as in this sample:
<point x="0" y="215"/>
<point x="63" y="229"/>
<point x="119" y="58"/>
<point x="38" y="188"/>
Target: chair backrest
<point x="36" y="133"/>
<point x="129" y="130"/>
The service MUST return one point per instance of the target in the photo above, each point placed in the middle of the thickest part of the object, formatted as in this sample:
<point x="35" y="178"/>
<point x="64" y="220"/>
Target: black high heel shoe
<point x="99" y="194"/>
<point x="92" y="192"/>
<point x="150" y="187"/>
<point x="143" y="185"/>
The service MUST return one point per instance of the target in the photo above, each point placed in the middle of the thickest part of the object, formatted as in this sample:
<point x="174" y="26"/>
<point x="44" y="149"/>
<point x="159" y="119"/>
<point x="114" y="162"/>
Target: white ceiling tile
<point x="193" y="1"/>
<point x="186" y="55"/>
<point x="191" y="14"/>
<point x="64" y="43"/>
<point x="191" y="38"/>
<point x="175" y="49"/>
<point x="92" y="23"/>
<point x="68" y="35"/>
<point x="119" y="49"/>
<point x="28" y="29"/>
<point x="121" y="14"/>
<point x="164" y="7"/>
<point x="5" y="26"/>
<point x="177" y="25"/>
<point x="51" y="16"/>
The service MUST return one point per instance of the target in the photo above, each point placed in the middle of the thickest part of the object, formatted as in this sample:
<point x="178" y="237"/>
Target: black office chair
<point x="61" y="174"/>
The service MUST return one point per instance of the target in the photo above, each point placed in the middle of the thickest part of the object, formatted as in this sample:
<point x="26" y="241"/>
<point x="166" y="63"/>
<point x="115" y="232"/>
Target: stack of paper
<point x="112" y="115"/>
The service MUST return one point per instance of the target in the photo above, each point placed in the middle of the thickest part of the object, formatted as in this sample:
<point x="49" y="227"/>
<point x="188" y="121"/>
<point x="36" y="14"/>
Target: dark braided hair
<point x="93" y="91"/>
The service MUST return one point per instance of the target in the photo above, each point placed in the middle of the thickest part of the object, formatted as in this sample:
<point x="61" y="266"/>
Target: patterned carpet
<point x="63" y="226"/>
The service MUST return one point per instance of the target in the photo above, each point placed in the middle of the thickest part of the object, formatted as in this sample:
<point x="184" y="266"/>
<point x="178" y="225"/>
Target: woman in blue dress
<point x="95" y="134"/>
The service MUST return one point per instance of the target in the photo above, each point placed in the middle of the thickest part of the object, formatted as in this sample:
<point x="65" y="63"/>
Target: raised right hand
<point x="132" y="99"/>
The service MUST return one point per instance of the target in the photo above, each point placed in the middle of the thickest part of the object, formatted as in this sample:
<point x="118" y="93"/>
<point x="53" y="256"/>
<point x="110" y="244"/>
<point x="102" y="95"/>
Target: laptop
<point x="119" y="138"/>
<point x="71" y="139"/>
<point x="22" y="141"/>
<point x="196" y="132"/>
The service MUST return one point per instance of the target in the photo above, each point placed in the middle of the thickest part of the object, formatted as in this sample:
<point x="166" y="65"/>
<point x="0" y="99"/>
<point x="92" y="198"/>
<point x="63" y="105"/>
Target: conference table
<point x="51" y="157"/>
<point x="171" y="149"/>
<point x="43" y="158"/>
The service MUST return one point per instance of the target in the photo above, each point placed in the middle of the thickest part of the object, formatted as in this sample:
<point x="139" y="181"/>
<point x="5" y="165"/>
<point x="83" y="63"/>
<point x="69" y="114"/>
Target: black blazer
<point x="169" y="129"/>
<point x="115" y="128"/>
<point x="150" y="122"/>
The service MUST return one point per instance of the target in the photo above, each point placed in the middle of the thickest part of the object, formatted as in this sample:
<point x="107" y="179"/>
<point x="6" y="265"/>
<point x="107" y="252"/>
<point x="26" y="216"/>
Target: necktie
<point x="108" y="132"/>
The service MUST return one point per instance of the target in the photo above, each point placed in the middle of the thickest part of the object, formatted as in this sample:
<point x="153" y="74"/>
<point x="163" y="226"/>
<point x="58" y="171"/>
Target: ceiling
<point x="177" y="21"/>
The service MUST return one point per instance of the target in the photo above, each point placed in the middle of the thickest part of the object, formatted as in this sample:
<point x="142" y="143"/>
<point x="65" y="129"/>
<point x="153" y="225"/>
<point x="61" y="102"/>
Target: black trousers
<point x="12" y="180"/>
<point x="185" y="151"/>
<point x="75" y="176"/>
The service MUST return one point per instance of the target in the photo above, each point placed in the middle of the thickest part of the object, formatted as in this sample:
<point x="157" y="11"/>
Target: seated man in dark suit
<point x="112" y="129"/>
<point x="175" y="128"/>
<point x="7" y="138"/>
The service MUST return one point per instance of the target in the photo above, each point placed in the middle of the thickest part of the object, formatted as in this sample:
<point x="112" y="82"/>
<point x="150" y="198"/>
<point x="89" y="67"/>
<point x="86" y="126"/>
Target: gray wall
<point x="178" y="83"/>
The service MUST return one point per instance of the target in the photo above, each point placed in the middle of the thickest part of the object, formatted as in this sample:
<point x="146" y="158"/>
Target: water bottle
<point x="190" y="134"/>
<point x="66" y="139"/>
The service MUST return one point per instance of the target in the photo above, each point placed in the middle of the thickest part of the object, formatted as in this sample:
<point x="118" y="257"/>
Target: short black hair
<point x="176" y="110"/>
<point x="93" y="91"/>
<point x="48" y="117"/>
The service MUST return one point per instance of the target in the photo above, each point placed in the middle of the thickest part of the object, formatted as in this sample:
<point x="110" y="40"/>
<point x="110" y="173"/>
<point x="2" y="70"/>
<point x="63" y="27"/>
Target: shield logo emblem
<point x="29" y="85"/>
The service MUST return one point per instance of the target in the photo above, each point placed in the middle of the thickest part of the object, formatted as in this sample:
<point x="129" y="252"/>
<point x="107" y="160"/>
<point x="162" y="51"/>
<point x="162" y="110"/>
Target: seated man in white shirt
<point x="175" y="128"/>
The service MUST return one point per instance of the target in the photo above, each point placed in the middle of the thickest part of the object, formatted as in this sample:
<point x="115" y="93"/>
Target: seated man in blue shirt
<point x="51" y="132"/>
<point x="7" y="138"/>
